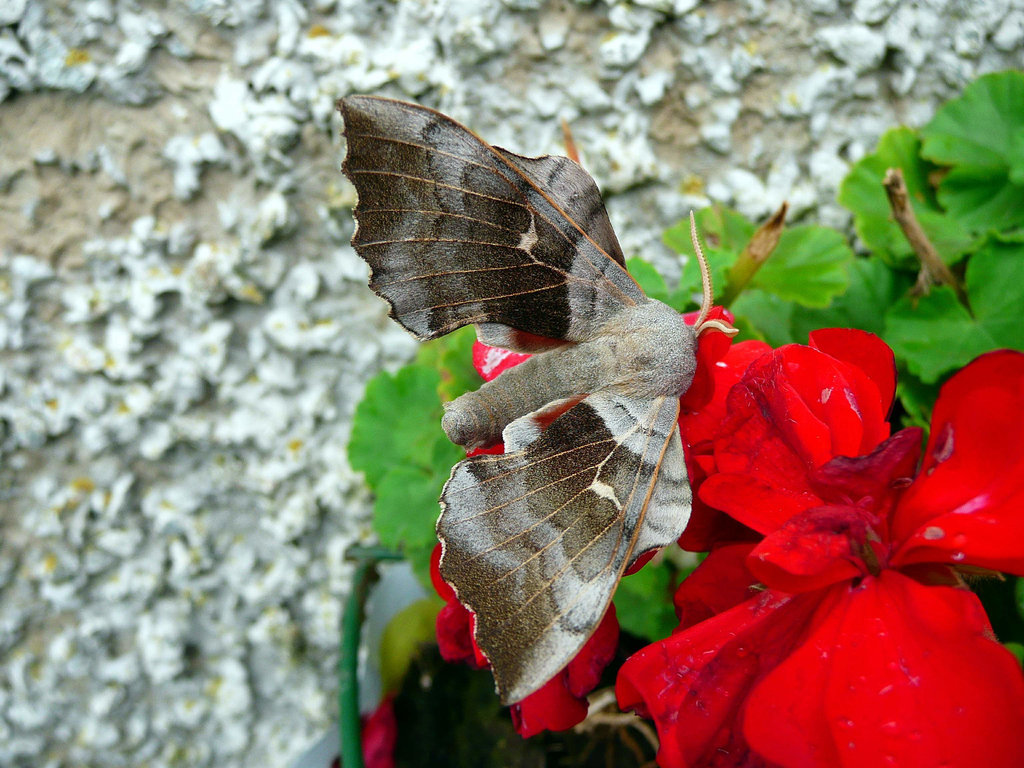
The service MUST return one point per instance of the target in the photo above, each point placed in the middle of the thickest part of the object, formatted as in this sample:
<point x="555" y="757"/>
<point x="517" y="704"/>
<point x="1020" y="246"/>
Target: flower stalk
<point x="756" y="253"/>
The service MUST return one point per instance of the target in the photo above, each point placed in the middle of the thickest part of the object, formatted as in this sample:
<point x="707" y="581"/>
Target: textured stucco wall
<point x="184" y="330"/>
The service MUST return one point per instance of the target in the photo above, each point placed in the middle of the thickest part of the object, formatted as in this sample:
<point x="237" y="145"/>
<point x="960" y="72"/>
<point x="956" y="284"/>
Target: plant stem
<point x="570" y="143"/>
<point x="756" y="253"/>
<point x="350" y="726"/>
<point x="933" y="268"/>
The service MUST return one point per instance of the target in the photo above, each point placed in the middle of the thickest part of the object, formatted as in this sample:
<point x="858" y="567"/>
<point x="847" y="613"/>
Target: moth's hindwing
<point x="536" y="540"/>
<point x="458" y="232"/>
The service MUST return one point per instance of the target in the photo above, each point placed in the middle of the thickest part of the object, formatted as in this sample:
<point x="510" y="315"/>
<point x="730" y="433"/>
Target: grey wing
<point x="535" y="541"/>
<point x="457" y="232"/>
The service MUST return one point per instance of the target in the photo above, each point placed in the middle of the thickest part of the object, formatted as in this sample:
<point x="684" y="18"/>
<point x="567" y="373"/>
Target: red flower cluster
<point x="830" y="625"/>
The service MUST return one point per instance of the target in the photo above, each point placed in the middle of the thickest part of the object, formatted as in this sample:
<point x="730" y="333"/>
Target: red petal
<point x="704" y="421"/>
<point x="551" y="707"/>
<point x="561" y="703"/>
<point x="441" y="586"/>
<point x="497" y="448"/>
<point x="712" y="346"/>
<point x="379" y="735"/>
<point x="694" y="683"/>
<point x="719" y="583"/>
<point x="966" y="504"/>
<point x="584" y="671"/>
<point x="454" y="629"/>
<point x="490" y="361"/>
<point x="895" y="674"/>
<point x="874" y="481"/>
<point x="813" y="549"/>
<point x="479" y="660"/>
<point x="754" y="503"/>
<point x="863" y="350"/>
<point x="808" y="403"/>
<point x="794" y="409"/>
<point x="641" y="561"/>
<point x="708" y="528"/>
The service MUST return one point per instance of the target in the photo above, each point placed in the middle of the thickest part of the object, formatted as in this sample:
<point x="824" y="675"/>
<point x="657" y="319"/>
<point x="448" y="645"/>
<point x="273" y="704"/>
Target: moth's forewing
<point x="535" y="541"/>
<point x="457" y="232"/>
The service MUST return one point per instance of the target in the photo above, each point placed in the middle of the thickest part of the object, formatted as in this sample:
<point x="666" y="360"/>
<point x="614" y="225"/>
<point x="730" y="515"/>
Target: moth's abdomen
<point x="477" y="419"/>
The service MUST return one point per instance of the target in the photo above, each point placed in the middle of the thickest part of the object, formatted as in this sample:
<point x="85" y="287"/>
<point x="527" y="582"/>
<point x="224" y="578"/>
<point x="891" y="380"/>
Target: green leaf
<point x="872" y="290"/>
<point x="397" y="422"/>
<point x="934" y="334"/>
<point x="916" y="397"/>
<point x="862" y="193"/>
<point x="643" y="602"/>
<point x="983" y="198"/>
<point x="648" y="278"/>
<point x="397" y="442"/>
<point x="724" y="231"/>
<point x="406" y="507"/>
<point x="761" y="315"/>
<point x="979" y="128"/>
<point x="808" y="266"/>
<point x="980" y="136"/>
<point x="402" y="637"/>
<point x="452" y="356"/>
<point x="995" y="288"/>
<point x="1018" y="596"/>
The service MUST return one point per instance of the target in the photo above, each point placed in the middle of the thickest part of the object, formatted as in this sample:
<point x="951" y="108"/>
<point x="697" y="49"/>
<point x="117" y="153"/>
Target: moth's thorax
<point x="653" y="350"/>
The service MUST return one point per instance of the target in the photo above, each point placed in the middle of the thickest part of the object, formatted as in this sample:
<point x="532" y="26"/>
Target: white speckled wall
<point x="185" y="331"/>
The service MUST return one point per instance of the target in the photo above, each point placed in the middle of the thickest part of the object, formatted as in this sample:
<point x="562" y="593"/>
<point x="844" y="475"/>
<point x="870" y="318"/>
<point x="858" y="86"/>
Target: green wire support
<point x="349" y="724"/>
<point x="372" y="552"/>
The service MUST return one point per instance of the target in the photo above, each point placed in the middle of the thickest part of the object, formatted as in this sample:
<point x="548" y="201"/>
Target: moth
<point x="459" y="232"/>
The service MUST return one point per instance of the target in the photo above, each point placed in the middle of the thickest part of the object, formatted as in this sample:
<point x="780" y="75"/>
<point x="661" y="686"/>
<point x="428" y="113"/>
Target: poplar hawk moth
<point x="459" y="232"/>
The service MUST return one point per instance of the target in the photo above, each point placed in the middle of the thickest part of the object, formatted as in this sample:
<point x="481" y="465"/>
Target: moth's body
<point x="644" y="351"/>
<point x="457" y="232"/>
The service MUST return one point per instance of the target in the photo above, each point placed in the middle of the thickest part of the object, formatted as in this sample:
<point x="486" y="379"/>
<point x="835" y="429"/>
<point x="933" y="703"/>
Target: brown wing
<point x="457" y="232"/>
<point x="535" y="541"/>
<point x="573" y="190"/>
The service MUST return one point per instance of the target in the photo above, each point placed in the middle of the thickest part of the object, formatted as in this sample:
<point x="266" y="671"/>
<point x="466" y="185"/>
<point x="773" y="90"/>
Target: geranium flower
<point x="859" y="645"/>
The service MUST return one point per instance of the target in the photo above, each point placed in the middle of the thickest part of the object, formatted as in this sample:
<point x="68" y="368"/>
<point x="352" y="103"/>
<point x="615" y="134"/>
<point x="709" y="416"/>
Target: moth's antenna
<point x="705" y="273"/>
<point x="709" y="293"/>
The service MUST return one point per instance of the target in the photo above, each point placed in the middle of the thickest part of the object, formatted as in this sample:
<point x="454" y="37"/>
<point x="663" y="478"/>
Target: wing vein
<point x="435" y="183"/>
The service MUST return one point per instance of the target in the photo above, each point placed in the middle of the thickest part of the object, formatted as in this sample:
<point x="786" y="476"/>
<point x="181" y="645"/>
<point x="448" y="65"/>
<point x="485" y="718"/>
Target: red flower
<point x="560" y="703"/>
<point x="861" y="647"/>
<point x="379" y="735"/>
